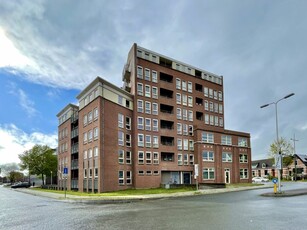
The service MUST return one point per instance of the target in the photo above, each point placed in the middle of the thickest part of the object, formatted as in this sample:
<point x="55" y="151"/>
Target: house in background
<point x="266" y="168"/>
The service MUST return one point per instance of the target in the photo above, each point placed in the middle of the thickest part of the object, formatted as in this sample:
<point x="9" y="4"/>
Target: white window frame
<point x="140" y="140"/>
<point x="147" y="91"/>
<point x="140" y="106"/>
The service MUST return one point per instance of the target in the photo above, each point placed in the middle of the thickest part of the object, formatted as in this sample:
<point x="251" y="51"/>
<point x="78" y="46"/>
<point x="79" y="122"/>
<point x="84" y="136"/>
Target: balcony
<point x="74" y="133"/>
<point x="167" y="157"/>
<point x="166" y="77"/>
<point x="75" y="148"/>
<point x="74" y="118"/>
<point x="74" y="164"/>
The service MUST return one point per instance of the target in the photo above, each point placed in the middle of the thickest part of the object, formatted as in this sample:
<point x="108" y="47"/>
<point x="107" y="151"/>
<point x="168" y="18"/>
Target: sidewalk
<point x="133" y="198"/>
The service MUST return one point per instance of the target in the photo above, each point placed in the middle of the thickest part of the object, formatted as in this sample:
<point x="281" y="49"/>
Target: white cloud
<point x="15" y="141"/>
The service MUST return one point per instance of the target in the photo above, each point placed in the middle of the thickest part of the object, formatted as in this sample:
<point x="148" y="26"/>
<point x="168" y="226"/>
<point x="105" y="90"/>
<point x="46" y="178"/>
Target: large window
<point x="147" y="107"/>
<point x="154" y="109"/>
<point x="140" y="106"/>
<point x="128" y="177"/>
<point x="141" y="157"/>
<point x="178" y="113"/>
<point x="154" y="92"/>
<point x="120" y="138"/>
<point x="140" y="89"/>
<point x="189" y="87"/>
<point x="208" y="156"/>
<point x="147" y="91"/>
<point x="208" y="174"/>
<point x="207" y="137"/>
<point x="243" y="173"/>
<point x="120" y="156"/>
<point x="226" y="157"/>
<point x="147" y="74"/>
<point x="120" y="120"/>
<point x="148" y="141"/>
<point x="140" y="72"/>
<point x="179" y="144"/>
<point x="178" y="98"/>
<point x="148" y="124"/>
<point x="242" y="141"/>
<point x="155" y="157"/>
<point x="155" y="126"/>
<point x="121" y="177"/>
<point x="140" y="123"/>
<point x="243" y="158"/>
<point x="226" y="140"/>
<point x="154" y="76"/>
<point x="141" y="140"/>
<point x="155" y="142"/>
<point x="90" y="135"/>
<point x="178" y="83"/>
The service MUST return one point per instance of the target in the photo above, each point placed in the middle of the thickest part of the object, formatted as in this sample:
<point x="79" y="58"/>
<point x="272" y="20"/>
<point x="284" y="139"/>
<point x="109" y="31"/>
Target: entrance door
<point x="187" y="178"/>
<point x="227" y="176"/>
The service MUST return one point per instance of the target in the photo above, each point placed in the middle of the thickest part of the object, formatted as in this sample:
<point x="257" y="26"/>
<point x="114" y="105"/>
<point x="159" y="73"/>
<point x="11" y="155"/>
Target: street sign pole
<point x="65" y="173"/>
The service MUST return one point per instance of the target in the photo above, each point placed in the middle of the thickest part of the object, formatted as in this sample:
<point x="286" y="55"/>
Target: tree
<point x="40" y="160"/>
<point x="285" y="149"/>
<point x="16" y="176"/>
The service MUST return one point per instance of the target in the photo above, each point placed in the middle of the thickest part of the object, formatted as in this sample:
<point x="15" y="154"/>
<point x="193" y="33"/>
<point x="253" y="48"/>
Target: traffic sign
<point x="65" y="171"/>
<point x="274" y="180"/>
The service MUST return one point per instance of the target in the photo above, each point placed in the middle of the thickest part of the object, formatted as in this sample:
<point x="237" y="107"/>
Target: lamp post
<point x="295" y="159"/>
<point x="278" y="158"/>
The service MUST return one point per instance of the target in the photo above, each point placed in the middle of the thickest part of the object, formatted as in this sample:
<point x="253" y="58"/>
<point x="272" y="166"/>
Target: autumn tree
<point x="40" y="160"/>
<point x="285" y="148"/>
<point x="15" y="176"/>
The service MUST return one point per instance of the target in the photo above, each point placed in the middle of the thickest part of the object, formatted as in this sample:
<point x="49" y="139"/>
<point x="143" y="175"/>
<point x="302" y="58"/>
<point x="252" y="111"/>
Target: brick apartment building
<point x="167" y="118"/>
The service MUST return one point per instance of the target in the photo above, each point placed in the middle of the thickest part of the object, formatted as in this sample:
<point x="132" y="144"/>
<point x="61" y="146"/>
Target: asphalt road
<point x="235" y="210"/>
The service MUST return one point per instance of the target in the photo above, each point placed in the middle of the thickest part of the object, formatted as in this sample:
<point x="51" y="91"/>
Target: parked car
<point x="21" y="185"/>
<point x="259" y="179"/>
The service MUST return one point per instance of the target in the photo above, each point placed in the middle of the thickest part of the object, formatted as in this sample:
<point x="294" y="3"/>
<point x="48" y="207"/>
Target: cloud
<point x="15" y="141"/>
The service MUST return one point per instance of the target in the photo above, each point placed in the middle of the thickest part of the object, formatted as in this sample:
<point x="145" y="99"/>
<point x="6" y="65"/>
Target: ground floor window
<point x="243" y="173"/>
<point x="208" y="174"/>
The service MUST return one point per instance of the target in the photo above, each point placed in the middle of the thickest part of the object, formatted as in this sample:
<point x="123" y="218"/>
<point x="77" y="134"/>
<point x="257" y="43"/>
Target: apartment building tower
<point x="164" y="126"/>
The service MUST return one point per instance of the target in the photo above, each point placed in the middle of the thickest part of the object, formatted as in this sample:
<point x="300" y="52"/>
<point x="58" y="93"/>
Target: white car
<point x="259" y="179"/>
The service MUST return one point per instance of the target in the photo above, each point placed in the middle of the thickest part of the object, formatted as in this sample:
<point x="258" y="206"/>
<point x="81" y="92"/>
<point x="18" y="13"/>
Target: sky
<point x="50" y="50"/>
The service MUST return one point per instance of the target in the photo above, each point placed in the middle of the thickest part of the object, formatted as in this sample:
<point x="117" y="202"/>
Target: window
<point x="190" y="101"/>
<point x="208" y="156"/>
<point x="141" y="157"/>
<point x="216" y="107"/>
<point x="147" y="107"/>
<point x="121" y="177"/>
<point x="140" y="89"/>
<point x="220" y="96"/>
<point x="128" y="140"/>
<point x="226" y="140"/>
<point x="148" y="157"/>
<point x="120" y="100"/>
<point x="154" y="76"/>
<point x="207" y="119"/>
<point x="96" y="172"/>
<point x="155" y="158"/>
<point x="96" y="133"/>
<point x="85" y="173"/>
<point x="206" y="90"/>
<point x="128" y="157"/>
<point x="190" y="115"/>
<point x="120" y="120"/>
<point x="90" y="135"/>
<point x="178" y="83"/>
<point x="86" y="100"/>
<point x="120" y="138"/>
<point x="179" y="144"/>
<point x="184" y="99"/>
<point x="207" y="137"/>
<point x="206" y="105"/>
<point x="154" y="109"/>
<point x="147" y="91"/>
<point x="140" y="106"/>
<point x="147" y="74"/>
<point x="243" y="158"/>
<point x="186" y="159"/>
<point x="184" y="114"/>
<point x="216" y="120"/>
<point x="128" y="177"/>
<point x="185" y="129"/>
<point x="140" y="123"/>
<point x="148" y="141"/>
<point x="178" y="113"/>
<point x="179" y="159"/>
<point x="96" y="152"/>
<point x="191" y="159"/>
<point x="85" y="120"/>
<point x="226" y="157"/>
<point x="128" y="123"/>
<point x="154" y="92"/>
<point x="215" y="94"/>
<point x="184" y="85"/>
<point x="147" y="124"/>
<point x="191" y="145"/>
<point x="185" y="144"/>
<point x="95" y="113"/>
<point x="211" y="106"/>
<point x="243" y="173"/>
<point x="191" y="130"/>
<point x="208" y="174"/>
<point x="179" y="128"/>
<point x="84" y="137"/>
<point x="141" y="172"/>
<point x="140" y="72"/>
<point x="221" y="122"/>
<point x="242" y="141"/>
<point x="155" y="142"/>
<point x="85" y="154"/>
<point x="141" y="140"/>
<point x="220" y="108"/>
<point x="189" y="87"/>
<point x="120" y="156"/>
<point x="211" y="93"/>
<point x="178" y="98"/>
<point x="155" y="126"/>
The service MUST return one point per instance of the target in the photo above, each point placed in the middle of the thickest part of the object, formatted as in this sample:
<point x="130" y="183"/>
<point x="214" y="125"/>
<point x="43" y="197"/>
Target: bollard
<point x="275" y="188"/>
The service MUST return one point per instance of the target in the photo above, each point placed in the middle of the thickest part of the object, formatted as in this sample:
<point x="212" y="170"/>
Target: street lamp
<point x="277" y="139"/>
